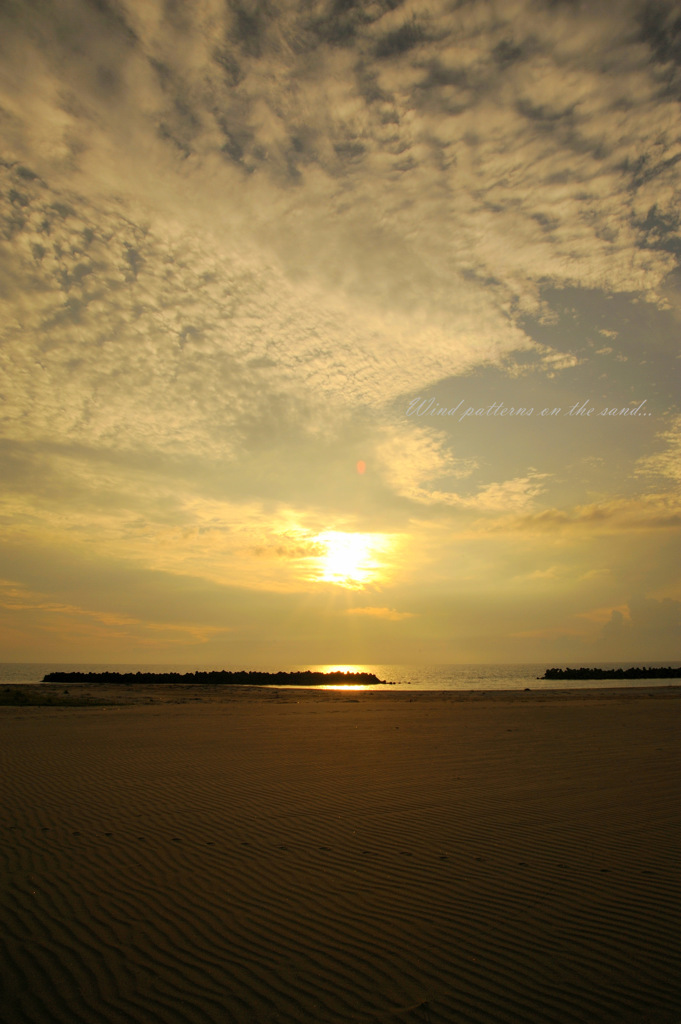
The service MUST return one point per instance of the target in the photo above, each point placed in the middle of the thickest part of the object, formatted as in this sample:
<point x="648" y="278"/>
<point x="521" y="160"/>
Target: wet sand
<point x="325" y="857"/>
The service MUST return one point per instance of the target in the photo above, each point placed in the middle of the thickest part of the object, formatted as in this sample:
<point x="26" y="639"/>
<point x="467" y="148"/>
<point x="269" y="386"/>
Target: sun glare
<point x="350" y="559"/>
<point x="339" y="685"/>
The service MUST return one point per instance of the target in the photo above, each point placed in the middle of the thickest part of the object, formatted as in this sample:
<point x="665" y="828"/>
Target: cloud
<point x="549" y="575"/>
<point x="666" y="463"/>
<point x="555" y="633"/>
<point x="358" y="198"/>
<point x="381" y="613"/>
<point x="414" y="462"/>
<point x="643" y="512"/>
<point x="57" y="617"/>
<point x="244" y="216"/>
<point x="409" y="459"/>
<point x="257" y="546"/>
<point x="649" y="628"/>
<point x="602" y="616"/>
<point x="518" y="494"/>
<point x="121" y="338"/>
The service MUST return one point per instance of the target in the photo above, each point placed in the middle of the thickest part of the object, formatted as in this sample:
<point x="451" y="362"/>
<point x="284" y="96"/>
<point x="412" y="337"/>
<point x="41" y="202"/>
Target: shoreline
<point x="84" y="694"/>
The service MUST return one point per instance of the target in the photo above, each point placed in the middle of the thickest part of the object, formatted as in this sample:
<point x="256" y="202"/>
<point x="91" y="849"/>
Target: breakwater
<point x="612" y="673"/>
<point x="220" y="678"/>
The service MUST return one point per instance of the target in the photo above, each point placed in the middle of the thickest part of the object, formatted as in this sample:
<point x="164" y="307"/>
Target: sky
<point x="340" y="332"/>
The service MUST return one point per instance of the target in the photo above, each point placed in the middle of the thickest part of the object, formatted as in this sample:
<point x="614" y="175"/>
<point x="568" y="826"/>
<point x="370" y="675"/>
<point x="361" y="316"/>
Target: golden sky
<point x="304" y="308"/>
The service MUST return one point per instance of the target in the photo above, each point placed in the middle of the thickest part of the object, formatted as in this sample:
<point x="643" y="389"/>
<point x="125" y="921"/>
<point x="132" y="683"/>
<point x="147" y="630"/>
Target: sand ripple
<point x="336" y="861"/>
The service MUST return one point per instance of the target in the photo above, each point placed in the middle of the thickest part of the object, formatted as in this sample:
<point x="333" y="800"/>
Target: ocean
<point x="412" y="677"/>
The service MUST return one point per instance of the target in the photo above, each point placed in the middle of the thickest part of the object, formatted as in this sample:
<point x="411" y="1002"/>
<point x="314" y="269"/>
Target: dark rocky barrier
<point x="612" y="673"/>
<point x="220" y="678"/>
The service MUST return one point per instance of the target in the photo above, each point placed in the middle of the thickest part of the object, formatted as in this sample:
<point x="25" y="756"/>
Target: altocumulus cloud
<point x="321" y="200"/>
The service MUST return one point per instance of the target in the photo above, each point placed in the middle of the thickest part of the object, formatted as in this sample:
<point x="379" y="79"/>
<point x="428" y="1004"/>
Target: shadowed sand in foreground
<point x="328" y="857"/>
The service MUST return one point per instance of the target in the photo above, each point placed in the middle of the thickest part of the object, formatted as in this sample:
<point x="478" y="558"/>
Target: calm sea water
<point x="414" y="677"/>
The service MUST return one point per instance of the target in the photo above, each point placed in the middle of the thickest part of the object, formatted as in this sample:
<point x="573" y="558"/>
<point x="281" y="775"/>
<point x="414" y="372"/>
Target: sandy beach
<point x="183" y="856"/>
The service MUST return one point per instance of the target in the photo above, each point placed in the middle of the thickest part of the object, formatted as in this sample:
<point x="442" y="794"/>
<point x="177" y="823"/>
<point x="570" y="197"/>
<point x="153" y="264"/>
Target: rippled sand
<point x="296" y="856"/>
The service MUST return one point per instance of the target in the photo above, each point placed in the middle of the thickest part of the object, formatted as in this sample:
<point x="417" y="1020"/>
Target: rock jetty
<point x="220" y="678"/>
<point x="612" y="673"/>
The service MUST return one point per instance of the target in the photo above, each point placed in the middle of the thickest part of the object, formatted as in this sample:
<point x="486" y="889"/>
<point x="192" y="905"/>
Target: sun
<point x="349" y="559"/>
